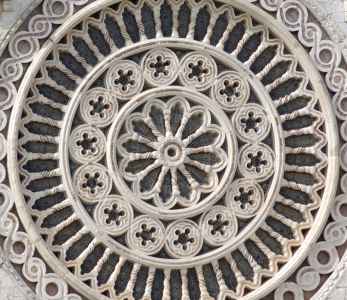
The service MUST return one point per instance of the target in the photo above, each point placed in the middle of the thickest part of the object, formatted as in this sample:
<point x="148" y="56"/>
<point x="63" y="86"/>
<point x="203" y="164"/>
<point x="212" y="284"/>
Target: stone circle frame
<point x="335" y="80"/>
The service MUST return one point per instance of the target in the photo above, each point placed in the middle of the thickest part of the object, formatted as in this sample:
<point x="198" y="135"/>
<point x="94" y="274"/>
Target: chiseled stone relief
<point x="173" y="149"/>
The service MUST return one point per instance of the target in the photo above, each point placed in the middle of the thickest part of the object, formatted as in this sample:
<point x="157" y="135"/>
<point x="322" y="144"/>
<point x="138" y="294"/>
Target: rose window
<point x="170" y="150"/>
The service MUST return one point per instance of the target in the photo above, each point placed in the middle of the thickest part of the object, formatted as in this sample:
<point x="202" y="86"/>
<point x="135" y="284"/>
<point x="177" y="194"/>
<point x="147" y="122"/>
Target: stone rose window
<point x="164" y="149"/>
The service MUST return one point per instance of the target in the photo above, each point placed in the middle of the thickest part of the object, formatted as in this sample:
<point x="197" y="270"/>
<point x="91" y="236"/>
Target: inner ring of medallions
<point x="278" y="135"/>
<point x="225" y="59"/>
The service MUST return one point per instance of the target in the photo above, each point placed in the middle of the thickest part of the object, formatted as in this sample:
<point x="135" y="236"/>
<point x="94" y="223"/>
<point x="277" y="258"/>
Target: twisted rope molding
<point x="309" y="34"/>
<point x="335" y="234"/>
<point x="11" y="70"/>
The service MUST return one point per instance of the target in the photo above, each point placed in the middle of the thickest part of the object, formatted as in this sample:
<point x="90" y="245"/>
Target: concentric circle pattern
<point x="173" y="150"/>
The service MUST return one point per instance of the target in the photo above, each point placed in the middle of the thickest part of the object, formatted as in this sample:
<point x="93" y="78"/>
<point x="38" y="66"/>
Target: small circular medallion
<point x="125" y="79"/>
<point x="98" y="107"/>
<point x="245" y="197"/>
<point x="219" y="225"/>
<point x="256" y="161"/>
<point x="146" y="235"/>
<point x="92" y="182"/>
<point x="198" y="70"/>
<point x="183" y="239"/>
<point x="87" y="144"/>
<point x="114" y="215"/>
<point x="251" y="123"/>
<point x="231" y="90"/>
<point x="160" y="66"/>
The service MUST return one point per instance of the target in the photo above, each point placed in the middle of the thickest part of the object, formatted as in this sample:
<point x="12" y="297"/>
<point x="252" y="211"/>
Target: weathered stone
<point x="173" y="150"/>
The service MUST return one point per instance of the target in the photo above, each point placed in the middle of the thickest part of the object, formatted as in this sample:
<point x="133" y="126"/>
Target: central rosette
<point x="171" y="152"/>
<point x="171" y="149"/>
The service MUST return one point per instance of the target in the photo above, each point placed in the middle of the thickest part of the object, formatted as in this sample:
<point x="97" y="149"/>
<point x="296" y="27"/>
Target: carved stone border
<point x="333" y="72"/>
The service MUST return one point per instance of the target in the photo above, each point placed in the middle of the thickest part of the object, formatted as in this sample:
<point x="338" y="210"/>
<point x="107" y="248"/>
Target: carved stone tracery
<point x="204" y="154"/>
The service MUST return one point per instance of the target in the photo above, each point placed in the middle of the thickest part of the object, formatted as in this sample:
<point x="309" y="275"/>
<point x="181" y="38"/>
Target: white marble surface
<point x="11" y="10"/>
<point x="8" y="288"/>
<point x="337" y="9"/>
<point x="340" y="291"/>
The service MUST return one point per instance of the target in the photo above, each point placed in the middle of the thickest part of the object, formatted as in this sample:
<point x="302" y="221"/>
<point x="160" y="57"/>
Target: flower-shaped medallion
<point x="172" y="152"/>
